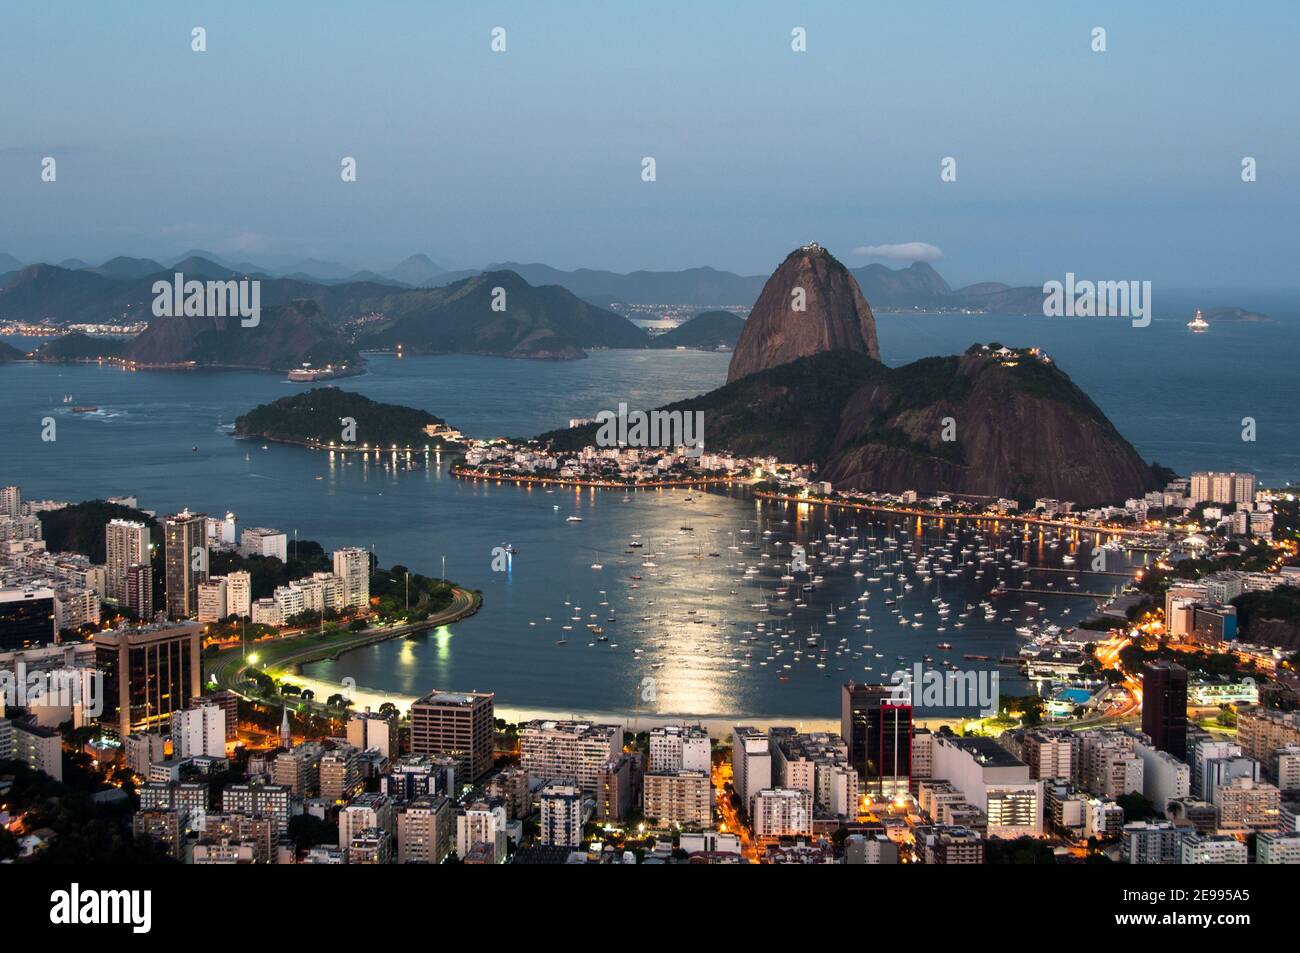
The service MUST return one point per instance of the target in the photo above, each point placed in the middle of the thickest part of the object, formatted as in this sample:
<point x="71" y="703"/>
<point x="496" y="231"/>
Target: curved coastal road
<point x="226" y="668"/>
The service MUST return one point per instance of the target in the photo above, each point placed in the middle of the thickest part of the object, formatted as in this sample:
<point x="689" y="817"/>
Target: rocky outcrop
<point x="992" y="422"/>
<point x="285" y="337"/>
<point x="988" y="424"/>
<point x="810" y="305"/>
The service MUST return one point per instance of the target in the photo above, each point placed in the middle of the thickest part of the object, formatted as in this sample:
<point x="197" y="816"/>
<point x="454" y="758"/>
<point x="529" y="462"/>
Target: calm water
<point x="1179" y="398"/>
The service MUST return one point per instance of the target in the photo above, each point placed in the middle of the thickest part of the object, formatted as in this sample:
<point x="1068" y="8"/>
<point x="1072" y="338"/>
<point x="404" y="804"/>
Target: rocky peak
<point x="810" y="304"/>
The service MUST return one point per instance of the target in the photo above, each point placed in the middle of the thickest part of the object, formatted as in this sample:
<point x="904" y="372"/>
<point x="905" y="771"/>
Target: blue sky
<point x="1123" y="164"/>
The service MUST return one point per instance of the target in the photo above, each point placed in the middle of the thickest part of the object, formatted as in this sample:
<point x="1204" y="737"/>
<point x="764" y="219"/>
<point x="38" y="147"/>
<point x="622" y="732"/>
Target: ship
<point x="86" y="409"/>
<point x="1198" y="324"/>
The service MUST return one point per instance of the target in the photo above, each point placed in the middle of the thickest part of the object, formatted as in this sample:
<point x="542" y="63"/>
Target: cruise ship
<point x="1198" y="323"/>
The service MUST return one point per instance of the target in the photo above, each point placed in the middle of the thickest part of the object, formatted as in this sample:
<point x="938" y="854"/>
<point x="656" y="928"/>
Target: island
<point x="326" y="418"/>
<point x="707" y="331"/>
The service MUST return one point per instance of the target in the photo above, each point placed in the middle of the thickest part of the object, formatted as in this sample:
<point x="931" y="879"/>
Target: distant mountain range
<point x="916" y="287"/>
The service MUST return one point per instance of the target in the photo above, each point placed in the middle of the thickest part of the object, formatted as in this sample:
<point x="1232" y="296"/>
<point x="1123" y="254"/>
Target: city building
<point x="1261" y="732"/>
<point x="352" y="565"/>
<point x="424" y="828"/>
<point x="459" y="724"/>
<point x="1151" y="842"/>
<point x="561" y="814"/>
<point x="950" y="844"/>
<point x="239" y="593"/>
<point x="679" y="747"/>
<point x="1277" y="847"/>
<point x="877" y="728"/>
<point x="1164" y="707"/>
<point x="569" y="749"/>
<point x="994" y="781"/>
<point x="213" y="600"/>
<point x="481" y="829"/>
<point x="1212" y="849"/>
<point x="199" y="732"/>
<point x="139" y="590"/>
<point x="751" y="763"/>
<point x="678" y="799"/>
<point x="372" y="730"/>
<point x="781" y="812"/>
<point x="185" y="554"/>
<point x="126" y="544"/>
<point x="40" y="747"/>
<point x="366" y="812"/>
<point x="261" y="541"/>
<point x="1165" y="778"/>
<point x="150" y="673"/>
<point x="27" y="618"/>
<point x="259" y="800"/>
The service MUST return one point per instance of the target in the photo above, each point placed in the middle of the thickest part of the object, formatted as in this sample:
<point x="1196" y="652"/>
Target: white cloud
<point x="907" y="251"/>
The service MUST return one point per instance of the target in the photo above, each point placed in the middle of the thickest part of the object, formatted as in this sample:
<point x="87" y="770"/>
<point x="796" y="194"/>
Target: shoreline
<point x="719" y="726"/>
<point x="464" y="473"/>
<point x="929" y="514"/>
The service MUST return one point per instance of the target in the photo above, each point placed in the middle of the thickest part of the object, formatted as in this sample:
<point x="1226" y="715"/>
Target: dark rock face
<point x="286" y="337"/>
<point x="1021" y="429"/>
<point x="835" y="315"/>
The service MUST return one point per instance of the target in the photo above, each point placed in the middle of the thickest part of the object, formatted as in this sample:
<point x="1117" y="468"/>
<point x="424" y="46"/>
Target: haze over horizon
<point x="1117" y="165"/>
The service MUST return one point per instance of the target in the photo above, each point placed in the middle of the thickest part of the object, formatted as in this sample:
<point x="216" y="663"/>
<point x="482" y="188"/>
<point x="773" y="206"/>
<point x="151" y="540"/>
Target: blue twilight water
<point x="1179" y="397"/>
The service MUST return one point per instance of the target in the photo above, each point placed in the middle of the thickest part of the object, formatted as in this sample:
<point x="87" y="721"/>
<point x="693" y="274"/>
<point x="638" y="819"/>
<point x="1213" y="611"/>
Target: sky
<point x="1123" y="164"/>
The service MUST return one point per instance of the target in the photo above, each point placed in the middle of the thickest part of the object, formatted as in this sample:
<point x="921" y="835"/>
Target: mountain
<point x="287" y="336"/>
<point x="892" y="286"/>
<point x="8" y="263"/>
<point x="200" y="268"/>
<point x="546" y="322"/>
<point x="321" y="270"/>
<point x="1023" y="430"/>
<point x="692" y="286"/>
<point x="79" y="346"/>
<point x="125" y="268"/>
<point x="809" y="305"/>
<point x="417" y="270"/>
<point x="72" y="264"/>
<point x="49" y="293"/>
<point x="314" y="417"/>
<point x="709" y="330"/>
<point x="9" y="353"/>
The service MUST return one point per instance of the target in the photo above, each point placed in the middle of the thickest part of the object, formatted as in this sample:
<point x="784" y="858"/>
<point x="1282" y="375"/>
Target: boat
<point x="83" y="409"/>
<point x="1198" y="324"/>
<point x="573" y="519"/>
<point x="597" y="566"/>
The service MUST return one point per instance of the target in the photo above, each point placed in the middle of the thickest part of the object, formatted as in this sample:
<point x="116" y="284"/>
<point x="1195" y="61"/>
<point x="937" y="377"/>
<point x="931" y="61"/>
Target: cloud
<point x="907" y="251"/>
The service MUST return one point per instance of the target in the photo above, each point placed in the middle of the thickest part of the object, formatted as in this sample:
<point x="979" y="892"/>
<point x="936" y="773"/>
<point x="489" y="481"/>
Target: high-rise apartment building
<point x="126" y="543"/>
<point x="186" y="559"/>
